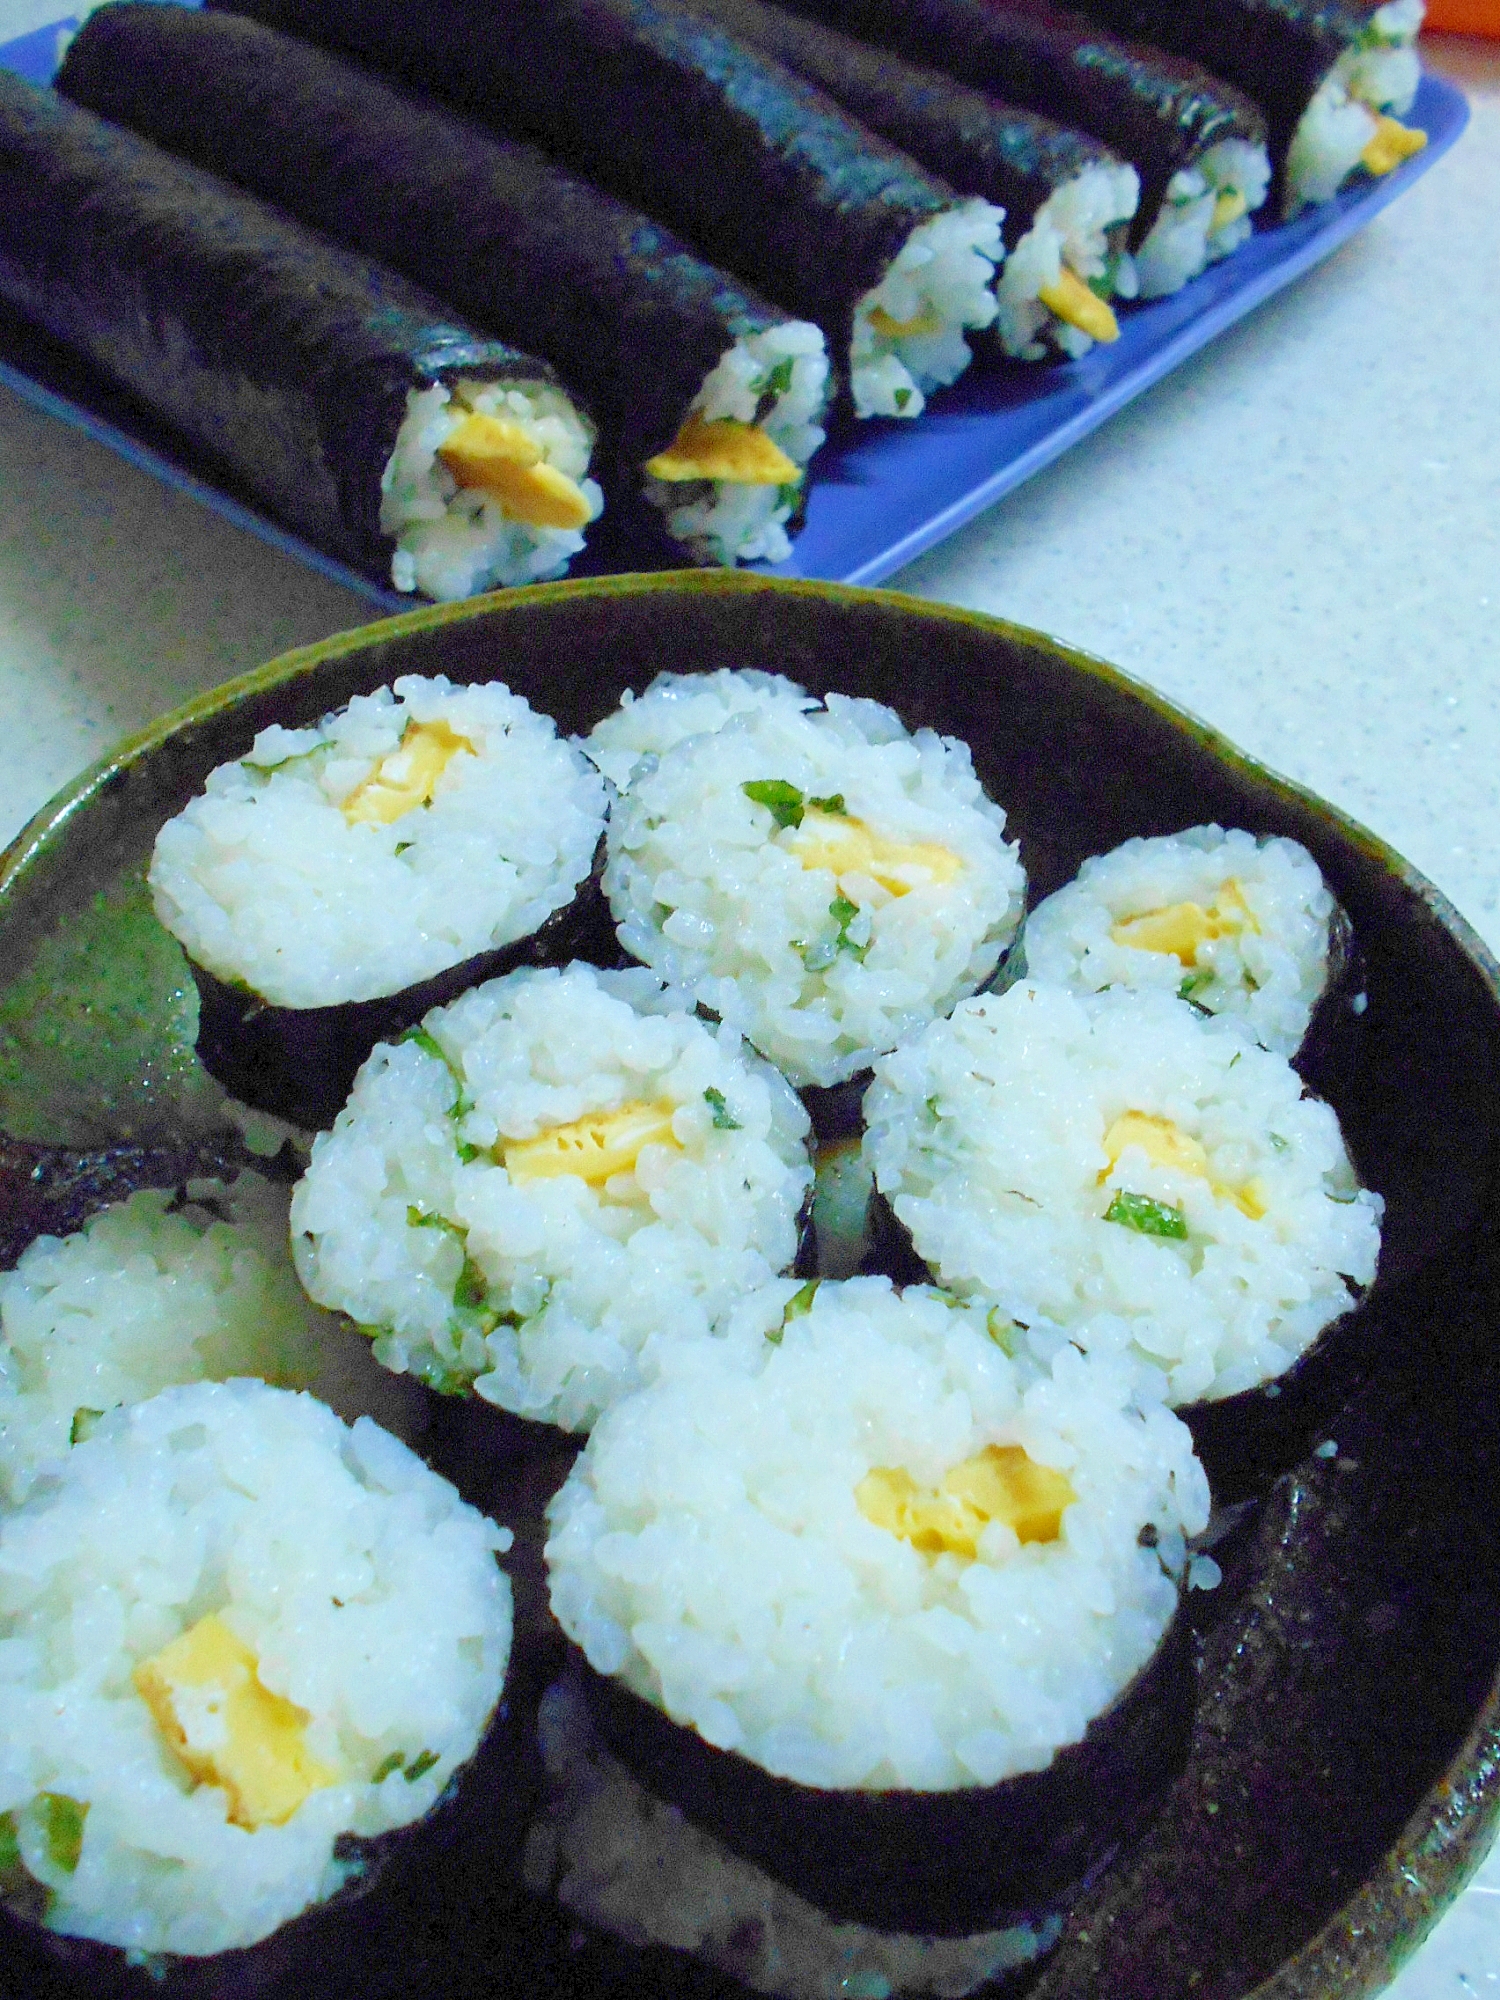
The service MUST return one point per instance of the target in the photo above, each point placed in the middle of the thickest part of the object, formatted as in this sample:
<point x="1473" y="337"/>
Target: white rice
<point x="988" y="1136"/>
<point x="1183" y="239"/>
<point x="1071" y="227"/>
<point x="1377" y="73"/>
<point x="940" y="285"/>
<point x="365" y="1589"/>
<point x="1267" y="969"/>
<point x="679" y="705"/>
<point x="819" y="969"/>
<point x="550" y="1295"/>
<point x="708" y="1547"/>
<point x="778" y="380"/>
<point x="264" y="880"/>
<point x="453" y="540"/>
<point x="149" y="1294"/>
<point x="621" y="1859"/>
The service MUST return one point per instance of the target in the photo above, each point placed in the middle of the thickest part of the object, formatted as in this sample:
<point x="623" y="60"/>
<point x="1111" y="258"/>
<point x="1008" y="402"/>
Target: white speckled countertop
<point x="1297" y="536"/>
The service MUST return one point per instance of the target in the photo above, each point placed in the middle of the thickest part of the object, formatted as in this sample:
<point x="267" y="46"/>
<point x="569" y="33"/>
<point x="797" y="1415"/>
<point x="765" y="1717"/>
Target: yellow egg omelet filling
<point x="1169" y="1146"/>
<point x="1392" y="143"/>
<point x="1180" y="930"/>
<point x="408" y="777"/>
<point x="499" y="457"/>
<point x="846" y="846"/>
<point x="1229" y="207"/>
<point x="595" y="1148"/>
<point x="722" y="448"/>
<point x="1070" y="299"/>
<point x="999" y="1484"/>
<point x="207" y="1700"/>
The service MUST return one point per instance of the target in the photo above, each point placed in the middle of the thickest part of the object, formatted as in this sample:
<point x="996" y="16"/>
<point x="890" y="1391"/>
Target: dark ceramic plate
<point x="1345" y="1769"/>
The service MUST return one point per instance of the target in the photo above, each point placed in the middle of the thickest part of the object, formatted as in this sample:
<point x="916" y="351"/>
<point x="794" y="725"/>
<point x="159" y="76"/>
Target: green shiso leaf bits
<point x="724" y="1118"/>
<point x="1150" y="1218"/>
<point x="782" y="801"/>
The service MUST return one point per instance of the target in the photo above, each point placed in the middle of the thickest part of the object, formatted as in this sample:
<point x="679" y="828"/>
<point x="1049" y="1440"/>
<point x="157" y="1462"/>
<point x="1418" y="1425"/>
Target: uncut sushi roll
<point x="296" y="1634"/>
<point x="1198" y="144"/>
<point x="1235" y="924"/>
<point x="1334" y="80"/>
<point x="685" y="370"/>
<point x="897" y="1576"/>
<point x="761" y="172"/>
<point x="352" y="405"/>
<point x="555" y="1178"/>
<point x="336" y="881"/>
<point x="820" y="878"/>
<point x="1115" y="1171"/>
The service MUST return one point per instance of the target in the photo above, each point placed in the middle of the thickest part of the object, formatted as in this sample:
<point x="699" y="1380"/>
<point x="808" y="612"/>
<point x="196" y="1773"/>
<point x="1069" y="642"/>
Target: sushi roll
<point x="896" y="1577"/>
<point x="236" y="1639"/>
<point x="822" y="880"/>
<point x="1198" y="144"/>
<point x="673" y="356"/>
<point x="557" y="1176"/>
<point x="1066" y="198"/>
<point x="339" y="879"/>
<point x="1115" y="1171"/>
<point x="1237" y="925"/>
<point x="1334" y="80"/>
<point x="759" y="171"/>
<point x="162" y="1289"/>
<point x="393" y="436"/>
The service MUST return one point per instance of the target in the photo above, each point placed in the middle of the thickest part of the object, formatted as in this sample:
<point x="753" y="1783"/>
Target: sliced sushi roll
<point x="352" y="405"/>
<point x="159" y="1290"/>
<point x="760" y="171"/>
<point x="1235" y="924"/>
<point x="233" y="1634"/>
<point x="1198" y="144"/>
<point x="1066" y="198"/>
<point x="1116" y="1171"/>
<point x="1335" y="80"/>
<point x="558" y="1175"/>
<point x="684" y="368"/>
<point x="338" y="880"/>
<point x="824" y="882"/>
<point x="898" y="1576"/>
<point x="629" y="1863"/>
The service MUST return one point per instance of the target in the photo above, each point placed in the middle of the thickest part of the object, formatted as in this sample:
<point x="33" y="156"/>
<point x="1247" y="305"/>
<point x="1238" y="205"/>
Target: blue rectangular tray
<point x="884" y="491"/>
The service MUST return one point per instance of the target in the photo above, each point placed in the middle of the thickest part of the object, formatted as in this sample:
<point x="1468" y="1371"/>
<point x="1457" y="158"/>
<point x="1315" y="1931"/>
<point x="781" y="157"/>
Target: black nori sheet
<point x="626" y="311"/>
<point x="1155" y="110"/>
<point x="763" y="173"/>
<point x="976" y="142"/>
<point x="946" y="1864"/>
<point x="285" y="357"/>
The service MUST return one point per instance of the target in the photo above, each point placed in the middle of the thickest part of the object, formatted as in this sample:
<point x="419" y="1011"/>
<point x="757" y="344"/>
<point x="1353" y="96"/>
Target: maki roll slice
<point x="1198" y="144"/>
<point x="865" y="1593"/>
<point x="296" y="1636"/>
<point x="758" y="170"/>
<point x="353" y="406"/>
<point x="553" y="1181"/>
<point x="1117" y="1172"/>
<point x="1067" y="199"/>
<point x="339" y="879"/>
<point x="822" y="879"/>
<point x="1233" y="924"/>
<point x="1334" y="80"/>
<point x="685" y="369"/>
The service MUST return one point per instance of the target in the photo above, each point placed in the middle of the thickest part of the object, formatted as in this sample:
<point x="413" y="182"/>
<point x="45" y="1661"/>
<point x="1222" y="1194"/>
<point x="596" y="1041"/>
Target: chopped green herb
<point x="843" y="913"/>
<point x="385" y="1767"/>
<point x="403" y="845"/>
<point x="1151" y="1218"/>
<point x="1002" y="1330"/>
<point x="789" y="496"/>
<point x="11" y="1865"/>
<point x="797" y="1305"/>
<point x="783" y="801"/>
<point x="901" y="398"/>
<point x="420" y="1765"/>
<point x="724" y="1118"/>
<point x="834" y="803"/>
<point x="421" y="1218"/>
<point x="1344" y="1200"/>
<point x="82" y="1425"/>
<point x="1194" y="984"/>
<point x="62" y="1828"/>
<point x="466" y="1152"/>
<point x="1278" y="1144"/>
<point x="1103" y="286"/>
<point x="442" y="1381"/>
<point x="425" y="1043"/>
<point x="780" y="378"/>
<point x="470" y="1291"/>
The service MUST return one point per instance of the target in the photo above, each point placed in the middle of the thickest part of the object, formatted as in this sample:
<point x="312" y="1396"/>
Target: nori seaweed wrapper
<point x="976" y="142"/>
<point x="625" y="310"/>
<point x="760" y="171"/>
<point x="286" y="358"/>
<point x="944" y="1864"/>
<point x="1155" y="110"/>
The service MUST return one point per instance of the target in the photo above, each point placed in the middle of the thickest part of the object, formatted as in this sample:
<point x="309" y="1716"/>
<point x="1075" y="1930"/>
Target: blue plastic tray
<point x="884" y="492"/>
